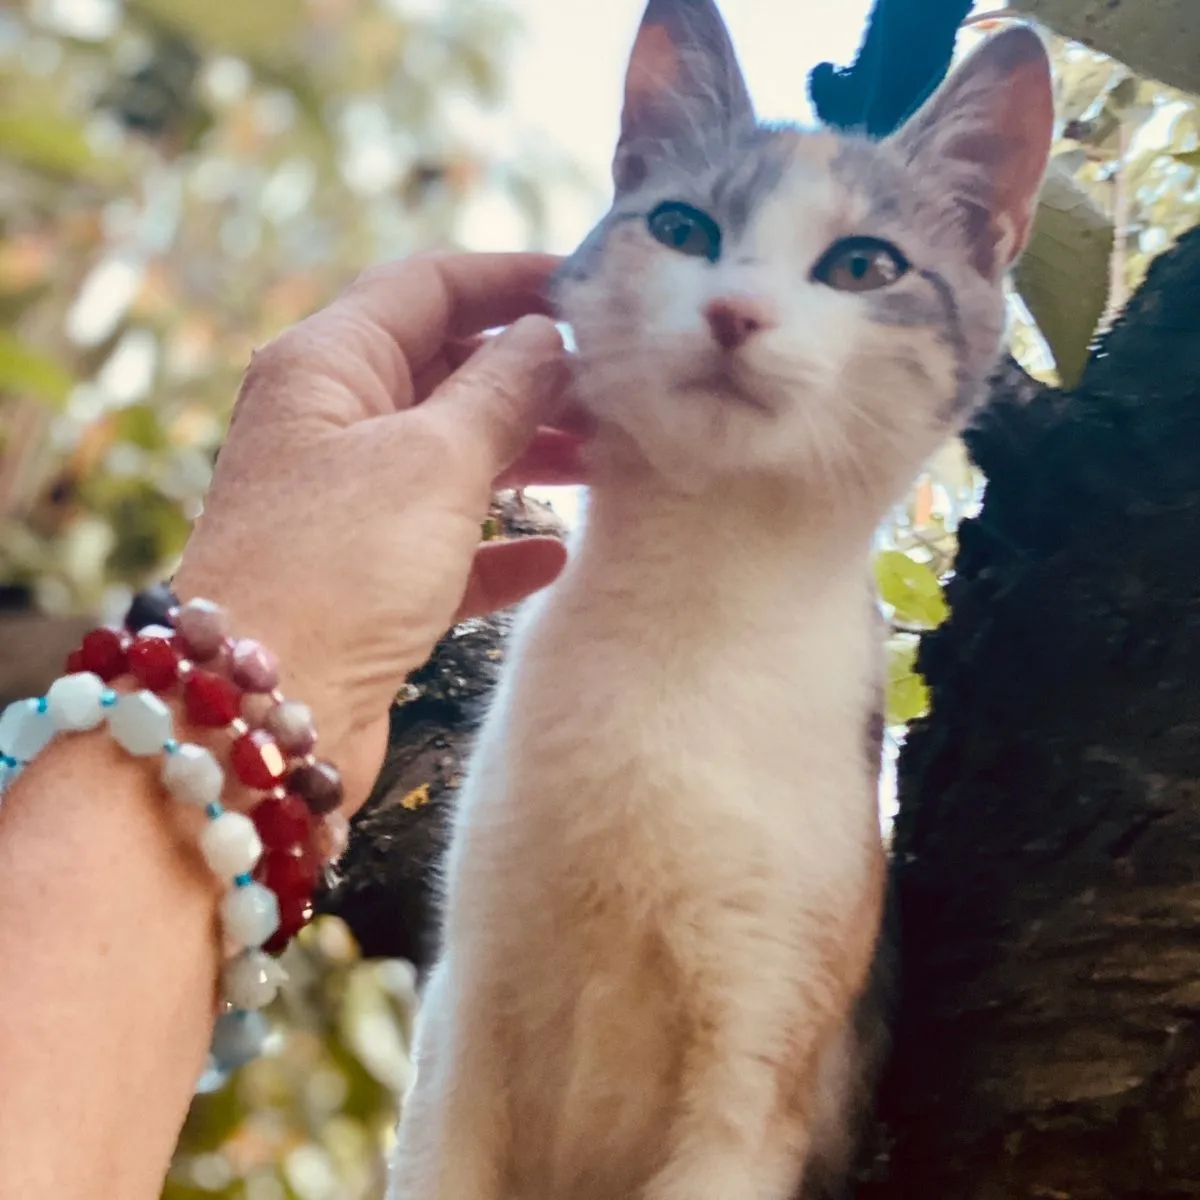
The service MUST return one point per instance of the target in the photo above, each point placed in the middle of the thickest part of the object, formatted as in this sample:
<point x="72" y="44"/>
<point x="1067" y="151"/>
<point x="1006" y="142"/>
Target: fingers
<point x="504" y="573"/>
<point x="367" y="352"/>
<point x="443" y="364"/>
<point x="552" y="459"/>
<point x="492" y="407"/>
<point x="423" y="302"/>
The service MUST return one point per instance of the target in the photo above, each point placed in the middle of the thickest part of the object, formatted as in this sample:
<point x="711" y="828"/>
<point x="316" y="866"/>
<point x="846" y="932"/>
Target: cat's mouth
<point x="722" y="380"/>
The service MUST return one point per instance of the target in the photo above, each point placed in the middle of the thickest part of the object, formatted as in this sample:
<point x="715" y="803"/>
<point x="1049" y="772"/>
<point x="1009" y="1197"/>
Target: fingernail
<point x="532" y="333"/>
<point x="537" y="340"/>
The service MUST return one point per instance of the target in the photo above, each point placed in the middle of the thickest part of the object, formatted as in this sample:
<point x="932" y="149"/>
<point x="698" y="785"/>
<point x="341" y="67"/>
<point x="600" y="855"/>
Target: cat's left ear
<point x="987" y="134"/>
<point x="683" y="87"/>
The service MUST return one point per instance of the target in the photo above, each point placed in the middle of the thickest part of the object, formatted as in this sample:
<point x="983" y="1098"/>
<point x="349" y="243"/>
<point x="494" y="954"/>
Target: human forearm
<point x="108" y="968"/>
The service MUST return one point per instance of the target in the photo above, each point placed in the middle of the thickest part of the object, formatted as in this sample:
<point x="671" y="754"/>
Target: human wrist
<point x="308" y="668"/>
<point x="173" y="689"/>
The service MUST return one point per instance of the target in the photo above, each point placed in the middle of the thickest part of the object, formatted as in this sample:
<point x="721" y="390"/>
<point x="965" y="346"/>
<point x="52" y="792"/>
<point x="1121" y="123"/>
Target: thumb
<point x="504" y="391"/>
<point x="504" y="573"/>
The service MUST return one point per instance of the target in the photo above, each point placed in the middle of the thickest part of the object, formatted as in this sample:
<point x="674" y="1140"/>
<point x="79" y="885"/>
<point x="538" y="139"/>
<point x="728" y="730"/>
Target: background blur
<point x="179" y="179"/>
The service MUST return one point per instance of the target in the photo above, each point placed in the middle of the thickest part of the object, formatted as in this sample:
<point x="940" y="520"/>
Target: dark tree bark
<point x="1047" y="851"/>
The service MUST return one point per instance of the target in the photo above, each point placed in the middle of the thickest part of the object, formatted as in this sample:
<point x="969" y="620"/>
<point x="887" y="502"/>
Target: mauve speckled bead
<point x="291" y="725"/>
<point x="253" y="667"/>
<point x="203" y="626"/>
<point x="318" y="784"/>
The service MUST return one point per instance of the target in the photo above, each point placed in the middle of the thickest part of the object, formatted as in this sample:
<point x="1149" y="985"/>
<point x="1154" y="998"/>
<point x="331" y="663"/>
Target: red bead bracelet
<point x="166" y="646"/>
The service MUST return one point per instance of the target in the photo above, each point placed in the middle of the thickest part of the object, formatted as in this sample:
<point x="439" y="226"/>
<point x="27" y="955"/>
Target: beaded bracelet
<point x="271" y="858"/>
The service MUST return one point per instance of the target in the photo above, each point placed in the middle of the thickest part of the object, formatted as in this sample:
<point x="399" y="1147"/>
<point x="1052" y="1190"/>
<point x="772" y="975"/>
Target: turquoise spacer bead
<point x="108" y="698"/>
<point x="243" y="880"/>
<point x="213" y="811"/>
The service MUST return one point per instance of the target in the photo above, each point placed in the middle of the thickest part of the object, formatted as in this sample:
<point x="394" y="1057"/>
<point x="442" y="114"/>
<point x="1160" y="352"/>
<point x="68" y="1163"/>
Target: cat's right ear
<point x="683" y="86"/>
<point x="985" y="136"/>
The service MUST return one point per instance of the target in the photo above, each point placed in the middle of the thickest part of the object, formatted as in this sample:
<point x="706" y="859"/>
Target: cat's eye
<point x="860" y="264"/>
<point x="686" y="229"/>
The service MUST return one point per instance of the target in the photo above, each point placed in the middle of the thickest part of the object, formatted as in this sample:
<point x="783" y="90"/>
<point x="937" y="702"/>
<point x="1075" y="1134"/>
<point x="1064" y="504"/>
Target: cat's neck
<point x="752" y="539"/>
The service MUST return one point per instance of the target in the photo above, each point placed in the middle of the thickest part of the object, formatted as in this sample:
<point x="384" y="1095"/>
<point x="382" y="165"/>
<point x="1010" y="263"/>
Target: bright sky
<point x="567" y="77"/>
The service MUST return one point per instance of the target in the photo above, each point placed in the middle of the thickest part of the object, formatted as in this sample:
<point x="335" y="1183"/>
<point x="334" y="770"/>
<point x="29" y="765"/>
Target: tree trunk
<point x="1048" y="841"/>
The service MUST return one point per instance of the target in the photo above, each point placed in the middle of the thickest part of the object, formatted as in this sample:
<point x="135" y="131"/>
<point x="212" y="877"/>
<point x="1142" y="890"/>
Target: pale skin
<point x="342" y="528"/>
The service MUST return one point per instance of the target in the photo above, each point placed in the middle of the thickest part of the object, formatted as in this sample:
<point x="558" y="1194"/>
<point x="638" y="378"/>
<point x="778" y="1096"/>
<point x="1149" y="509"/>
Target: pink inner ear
<point x="1026" y="127"/>
<point x="653" y="66"/>
<point x="987" y="132"/>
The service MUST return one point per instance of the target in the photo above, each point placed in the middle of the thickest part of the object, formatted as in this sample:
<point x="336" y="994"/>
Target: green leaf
<point x="28" y="372"/>
<point x="1063" y="274"/>
<point x="46" y="142"/>
<point x="911" y="588"/>
<point x="1189" y="158"/>
<point x="265" y="29"/>
<point x="907" y="694"/>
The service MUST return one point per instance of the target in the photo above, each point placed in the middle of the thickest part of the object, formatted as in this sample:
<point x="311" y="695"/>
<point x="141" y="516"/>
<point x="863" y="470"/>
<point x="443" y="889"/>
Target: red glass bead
<point x="75" y="662"/>
<point x="284" y="823"/>
<point x="211" y="700"/>
<point x="288" y="875"/>
<point x="153" y="658"/>
<point x="257" y="759"/>
<point x="294" y="913"/>
<point x="103" y="653"/>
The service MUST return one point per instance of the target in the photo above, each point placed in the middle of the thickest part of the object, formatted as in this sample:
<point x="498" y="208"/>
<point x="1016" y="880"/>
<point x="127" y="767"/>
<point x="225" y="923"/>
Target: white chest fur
<point x="663" y="886"/>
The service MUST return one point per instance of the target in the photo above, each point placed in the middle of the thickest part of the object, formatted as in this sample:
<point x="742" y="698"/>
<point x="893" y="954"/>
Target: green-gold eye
<point x="686" y="229"/>
<point x="860" y="264"/>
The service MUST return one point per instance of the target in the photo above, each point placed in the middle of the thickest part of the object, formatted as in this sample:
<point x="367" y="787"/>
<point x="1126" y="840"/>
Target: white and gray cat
<point x="665" y="884"/>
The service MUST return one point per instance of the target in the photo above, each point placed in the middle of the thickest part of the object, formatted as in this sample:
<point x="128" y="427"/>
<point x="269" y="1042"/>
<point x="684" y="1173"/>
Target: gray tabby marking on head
<point x="815" y="308"/>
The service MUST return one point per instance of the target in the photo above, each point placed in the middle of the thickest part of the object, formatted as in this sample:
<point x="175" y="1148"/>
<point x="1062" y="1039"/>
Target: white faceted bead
<point x="140" y="723"/>
<point x="24" y="731"/>
<point x="193" y="775"/>
<point x="251" y="980"/>
<point x="250" y="914"/>
<point x="74" y="702"/>
<point x="231" y="845"/>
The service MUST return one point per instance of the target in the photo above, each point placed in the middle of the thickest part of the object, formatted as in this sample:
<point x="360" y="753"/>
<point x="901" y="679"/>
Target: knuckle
<point x="433" y="444"/>
<point x="272" y="365"/>
<point x="495" y="386"/>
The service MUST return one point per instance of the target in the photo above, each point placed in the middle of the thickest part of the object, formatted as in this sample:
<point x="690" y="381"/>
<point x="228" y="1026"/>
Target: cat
<point x="666" y="878"/>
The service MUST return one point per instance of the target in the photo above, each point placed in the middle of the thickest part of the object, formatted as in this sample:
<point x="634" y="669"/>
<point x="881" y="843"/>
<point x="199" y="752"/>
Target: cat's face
<point x="816" y="307"/>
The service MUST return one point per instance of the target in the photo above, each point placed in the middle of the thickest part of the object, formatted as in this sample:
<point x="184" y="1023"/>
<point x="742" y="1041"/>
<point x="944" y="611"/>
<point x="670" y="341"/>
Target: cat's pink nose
<point x="734" y="320"/>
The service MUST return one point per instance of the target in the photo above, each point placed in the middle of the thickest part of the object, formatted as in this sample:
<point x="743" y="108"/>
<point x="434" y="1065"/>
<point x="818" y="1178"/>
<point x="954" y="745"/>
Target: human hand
<point x="342" y="527"/>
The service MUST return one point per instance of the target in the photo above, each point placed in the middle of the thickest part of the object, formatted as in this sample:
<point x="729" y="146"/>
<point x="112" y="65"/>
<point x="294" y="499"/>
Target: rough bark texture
<point x="1048" y="843"/>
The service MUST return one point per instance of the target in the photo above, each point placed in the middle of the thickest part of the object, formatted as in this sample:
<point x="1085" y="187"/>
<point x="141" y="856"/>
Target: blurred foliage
<point x="181" y="179"/>
<point x="312" y="1118"/>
